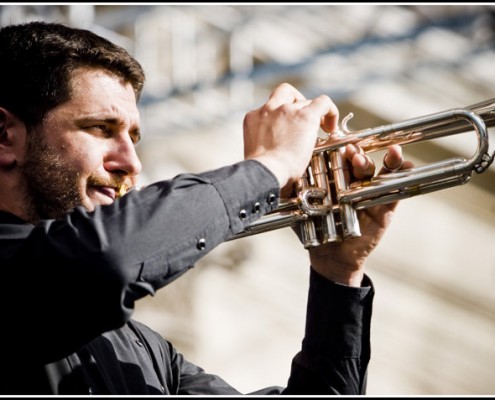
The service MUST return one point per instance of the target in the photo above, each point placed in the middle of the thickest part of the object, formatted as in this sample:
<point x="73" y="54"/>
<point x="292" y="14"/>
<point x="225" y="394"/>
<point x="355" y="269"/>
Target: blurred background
<point x="240" y="313"/>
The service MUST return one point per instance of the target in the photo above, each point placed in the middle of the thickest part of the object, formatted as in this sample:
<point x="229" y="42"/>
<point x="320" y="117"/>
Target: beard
<point x="51" y="186"/>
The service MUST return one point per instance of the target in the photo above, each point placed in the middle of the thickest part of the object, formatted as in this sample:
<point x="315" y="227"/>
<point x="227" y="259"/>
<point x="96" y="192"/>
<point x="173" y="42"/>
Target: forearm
<point x="167" y="226"/>
<point x="109" y="258"/>
<point x="336" y="348"/>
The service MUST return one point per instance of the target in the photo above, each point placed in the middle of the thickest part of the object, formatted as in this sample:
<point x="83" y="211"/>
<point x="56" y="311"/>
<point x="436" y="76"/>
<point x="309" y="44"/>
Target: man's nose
<point x="123" y="157"/>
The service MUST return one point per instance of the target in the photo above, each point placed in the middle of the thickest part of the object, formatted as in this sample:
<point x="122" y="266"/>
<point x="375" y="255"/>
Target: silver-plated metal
<point x="326" y="204"/>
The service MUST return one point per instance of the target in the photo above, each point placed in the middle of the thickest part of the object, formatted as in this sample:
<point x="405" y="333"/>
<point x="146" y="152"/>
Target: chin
<point x="90" y="205"/>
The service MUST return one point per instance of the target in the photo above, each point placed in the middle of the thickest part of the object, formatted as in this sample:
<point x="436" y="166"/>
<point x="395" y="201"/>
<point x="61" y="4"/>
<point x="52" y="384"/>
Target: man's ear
<point x="12" y="138"/>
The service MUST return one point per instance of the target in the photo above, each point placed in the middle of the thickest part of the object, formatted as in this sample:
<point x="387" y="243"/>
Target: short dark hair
<point x="37" y="60"/>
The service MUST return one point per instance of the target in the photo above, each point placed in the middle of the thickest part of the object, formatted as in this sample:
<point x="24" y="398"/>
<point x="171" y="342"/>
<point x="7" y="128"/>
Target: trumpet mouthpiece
<point x="121" y="192"/>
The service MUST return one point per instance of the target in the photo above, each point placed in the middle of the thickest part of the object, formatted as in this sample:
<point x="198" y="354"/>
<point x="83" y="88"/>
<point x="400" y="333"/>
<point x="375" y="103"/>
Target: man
<point x="75" y="255"/>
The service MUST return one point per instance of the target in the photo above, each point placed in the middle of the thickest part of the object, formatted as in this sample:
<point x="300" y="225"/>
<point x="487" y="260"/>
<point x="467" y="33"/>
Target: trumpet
<point x="325" y="204"/>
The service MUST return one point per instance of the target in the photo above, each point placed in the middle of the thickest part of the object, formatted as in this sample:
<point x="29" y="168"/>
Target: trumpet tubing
<point x="326" y="204"/>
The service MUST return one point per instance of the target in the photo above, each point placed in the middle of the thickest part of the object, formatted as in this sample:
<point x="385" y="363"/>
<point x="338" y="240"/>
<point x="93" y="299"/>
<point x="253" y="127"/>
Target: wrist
<point x="340" y="275"/>
<point x="278" y="169"/>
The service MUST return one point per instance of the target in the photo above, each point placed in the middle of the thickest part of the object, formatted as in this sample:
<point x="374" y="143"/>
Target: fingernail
<point x="363" y="160"/>
<point x="354" y="148"/>
<point x="385" y="162"/>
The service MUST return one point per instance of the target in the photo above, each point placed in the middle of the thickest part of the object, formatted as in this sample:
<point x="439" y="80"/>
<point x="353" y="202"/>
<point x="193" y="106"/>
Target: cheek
<point x="87" y="159"/>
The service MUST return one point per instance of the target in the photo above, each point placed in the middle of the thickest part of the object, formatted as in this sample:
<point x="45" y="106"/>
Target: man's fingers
<point x="284" y="94"/>
<point x="329" y="112"/>
<point x="362" y="165"/>
<point x="392" y="161"/>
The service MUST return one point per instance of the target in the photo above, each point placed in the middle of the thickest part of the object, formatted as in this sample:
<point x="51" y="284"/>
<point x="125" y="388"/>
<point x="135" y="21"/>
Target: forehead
<point x="87" y="82"/>
<point x="96" y="93"/>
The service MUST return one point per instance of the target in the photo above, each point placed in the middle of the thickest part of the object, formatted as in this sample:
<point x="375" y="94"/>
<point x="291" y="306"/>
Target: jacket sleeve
<point x="336" y="348"/>
<point x="333" y="359"/>
<point x="80" y="276"/>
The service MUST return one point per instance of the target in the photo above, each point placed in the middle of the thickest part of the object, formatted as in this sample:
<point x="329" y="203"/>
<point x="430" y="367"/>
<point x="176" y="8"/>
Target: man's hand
<point x="282" y="133"/>
<point x="344" y="262"/>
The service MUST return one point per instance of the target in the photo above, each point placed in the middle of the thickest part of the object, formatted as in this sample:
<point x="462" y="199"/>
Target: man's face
<point x="84" y="152"/>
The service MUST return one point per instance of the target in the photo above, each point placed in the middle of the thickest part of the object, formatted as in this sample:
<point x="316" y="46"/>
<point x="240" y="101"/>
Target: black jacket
<point x="69" y="288"/>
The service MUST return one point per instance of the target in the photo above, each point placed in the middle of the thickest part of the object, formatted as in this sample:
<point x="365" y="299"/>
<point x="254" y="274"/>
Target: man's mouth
<point x="106" y="191"/>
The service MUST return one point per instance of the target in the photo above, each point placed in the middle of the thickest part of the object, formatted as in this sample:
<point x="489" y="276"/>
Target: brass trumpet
<point x="325" y="205"/>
